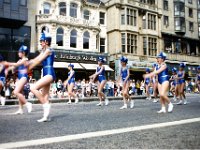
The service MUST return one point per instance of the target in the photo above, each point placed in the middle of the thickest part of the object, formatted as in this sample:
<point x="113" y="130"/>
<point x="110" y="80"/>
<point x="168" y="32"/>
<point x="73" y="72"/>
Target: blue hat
<point x="174" y="70"/>
<point x="23" y="48"/>
<point x="182" y="65"/>
<point x="71" y="65"/>
<point x="45" y="36"/>
<point x="101" y="59"/>
<point x="148" y="70"/>
<point x="198" y="68"/>
<point x="1" y="58"/>
<point x="162" y="55"/>
<point x="124" y="59"/>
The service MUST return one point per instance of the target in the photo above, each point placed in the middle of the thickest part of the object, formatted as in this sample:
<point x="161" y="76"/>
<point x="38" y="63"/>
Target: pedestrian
<point x="174" y="88"/>
<point x="198" y="79"/>
<point x="147" y="84"/>
<point x="70" y="83"/>
<point x="100" y="74"/>
<point x="2" y="79"/>
<point x="41" y="88"/>
<point x="181" y="84"/>
<point x="163" y="82"/>
<point x="124" y="78"/>
<point x="21" y="65"/>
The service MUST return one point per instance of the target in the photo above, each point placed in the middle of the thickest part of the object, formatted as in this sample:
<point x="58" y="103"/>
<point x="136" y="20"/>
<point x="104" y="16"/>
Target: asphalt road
<point x="86" y="117"/>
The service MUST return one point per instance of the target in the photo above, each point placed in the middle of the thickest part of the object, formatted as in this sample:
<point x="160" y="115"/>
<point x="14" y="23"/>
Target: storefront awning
<point x="94" y="67"/>
<point x="65" y="65"/>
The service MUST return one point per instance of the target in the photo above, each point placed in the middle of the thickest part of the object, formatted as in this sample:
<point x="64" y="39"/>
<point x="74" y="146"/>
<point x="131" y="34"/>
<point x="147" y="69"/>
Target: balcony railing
<point x="179" y="1"/>
<point x="182" y="57"/>
<point x="67" y="20"/>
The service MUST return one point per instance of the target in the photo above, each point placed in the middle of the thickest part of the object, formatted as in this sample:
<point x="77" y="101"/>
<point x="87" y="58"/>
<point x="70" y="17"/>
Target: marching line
<point x="94" y="134"/>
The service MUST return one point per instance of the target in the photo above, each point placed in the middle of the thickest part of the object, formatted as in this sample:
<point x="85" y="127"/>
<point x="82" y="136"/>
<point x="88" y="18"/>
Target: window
<point x="59" y="37"/>
<point x="123" y="16"/>
<point x="86" y="39"/>
<point x="151" y="2"/>
<point x="102" y="18"/>
<point x="199" y="14"/>
<point x="190" y="12"/>
<point x="123" y="42"/>
<point x="198" y="2"/>
<point x="142" y="1"/>
<point x="102" y="45"/>
<point x="131" y="17"/>
<point x="152" y="46"/>
<point x="180" y="24"/>
<point x="190" y="1"/>
<point x="165" y="4"/>
<point x="14" y="4"/>
<point x="179" y="9"/>
<point x="62" y="9"/>
<point x="45" y="29"/>
<point x="73" y="38"/>
<point x="1" y="3"/>
<point x="129" y="43"/>
<point x="73" y="10"/>
<point x="166" y="21"/>
<point x="144" y="26"/>
<point x="23" y="2"/>
<point x="144" y="45"/>
<point x="46" y="7"/>
<point x="6" y="1"/>
<point x="151" y="22"/>
<point x="191" y="26"/>
<point x="86" y="14"/>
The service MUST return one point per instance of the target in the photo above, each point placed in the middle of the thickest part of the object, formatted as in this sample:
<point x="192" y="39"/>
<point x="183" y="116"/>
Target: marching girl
<point x="2" y="78"/>
<point x="46" y="57"/>
<point x="163" y="82"/>
<point x="124" y="77"/>
<point x="181" y="84"/>
<point x="70" y="83"/>
<point x="21" y="65"/>
<point x="198" y="78"/>
<point x="147" y="83"/>
<point x="173" y="87"/>
<point x="155" y="85"/>
<point x="100" y="74"/>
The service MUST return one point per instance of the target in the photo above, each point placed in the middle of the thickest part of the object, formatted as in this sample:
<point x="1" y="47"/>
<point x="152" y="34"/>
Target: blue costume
<point x="2" y="76"/>
<point x="22" y="72"/>
<point x="182" y="80"/>
<point x="101" y="76"/>
<point x="174" y="81"/>
<point x="72" y="79"/>
<point x="48" y="65"/>
<point x="124" y="74"/>
<point x="198" y="77"/>
<point x="162" y="76"/>
<point x="147" y="81"/>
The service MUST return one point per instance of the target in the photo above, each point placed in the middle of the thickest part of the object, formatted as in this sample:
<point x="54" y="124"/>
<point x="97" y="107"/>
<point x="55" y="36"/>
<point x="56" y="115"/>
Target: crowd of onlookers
<point x="85" y="88"/>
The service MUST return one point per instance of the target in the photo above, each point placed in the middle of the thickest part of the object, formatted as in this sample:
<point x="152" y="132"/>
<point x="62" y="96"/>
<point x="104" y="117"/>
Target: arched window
<point x="73" y="38"/>
<point x="73" y="10"/>
<point x="86" y="39"/>
<point x="45" y="29"/>
<point x="62" y="8"/>
<point x="59" y="37"/>
<point x="46" y="8"/>
<point x="86" y="14"/>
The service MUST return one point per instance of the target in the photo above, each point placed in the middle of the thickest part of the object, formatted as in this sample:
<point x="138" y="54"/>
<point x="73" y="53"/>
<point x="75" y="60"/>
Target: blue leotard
<point x="48" y="65"/>
<point x="22" y="72"/>
<point x="147" y="81"/>
<point x="174" y="82"/>
<point x="162" y="76"/>
<point x="182" y="80"/>
<point x="124" y="73"/>
<point x="2" y="76"/>
<point x="198" y="77"/>
<point x="101" y="76"/>
<point x="72" y="79"/>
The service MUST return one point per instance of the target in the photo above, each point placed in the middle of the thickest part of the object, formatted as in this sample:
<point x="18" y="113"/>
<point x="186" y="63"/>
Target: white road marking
<point x="94" y="134"/>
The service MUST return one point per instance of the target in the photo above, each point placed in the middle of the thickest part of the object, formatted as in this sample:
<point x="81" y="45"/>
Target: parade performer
<point x="41" y="88"/>
<point x="181" y="84"/>
<point x="147" y="84"/>
<point x="198" y="78"/>
<point x="70" y="83"/>
<point x="100" y="74"/>
<point x="163" y="82"/>
<point x="2" y="79"/>
<point x="174" y="88"/>
<point x="155" y="85"/>
<point x="124" y="78"/>
<point x="21" y="65"/>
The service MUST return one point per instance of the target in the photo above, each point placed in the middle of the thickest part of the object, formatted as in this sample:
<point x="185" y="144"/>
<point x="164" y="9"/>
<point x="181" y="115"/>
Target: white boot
<point x="19" y="112"/>
<point x="29" y="107"/>
<point x="170" y="107"/>
<point x="76" y="100"/>
<point x="106" y="102"/>
<point x="132" y="104"/>
<point x="163" y="110"/>
<point x="46" y="109"/>
<point x="3" y="101"/>
<point x="69" y="102"/>
<point x="124" y="107"/>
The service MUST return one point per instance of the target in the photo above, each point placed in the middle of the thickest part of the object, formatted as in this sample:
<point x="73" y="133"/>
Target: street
<point x="87" y="126"/>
